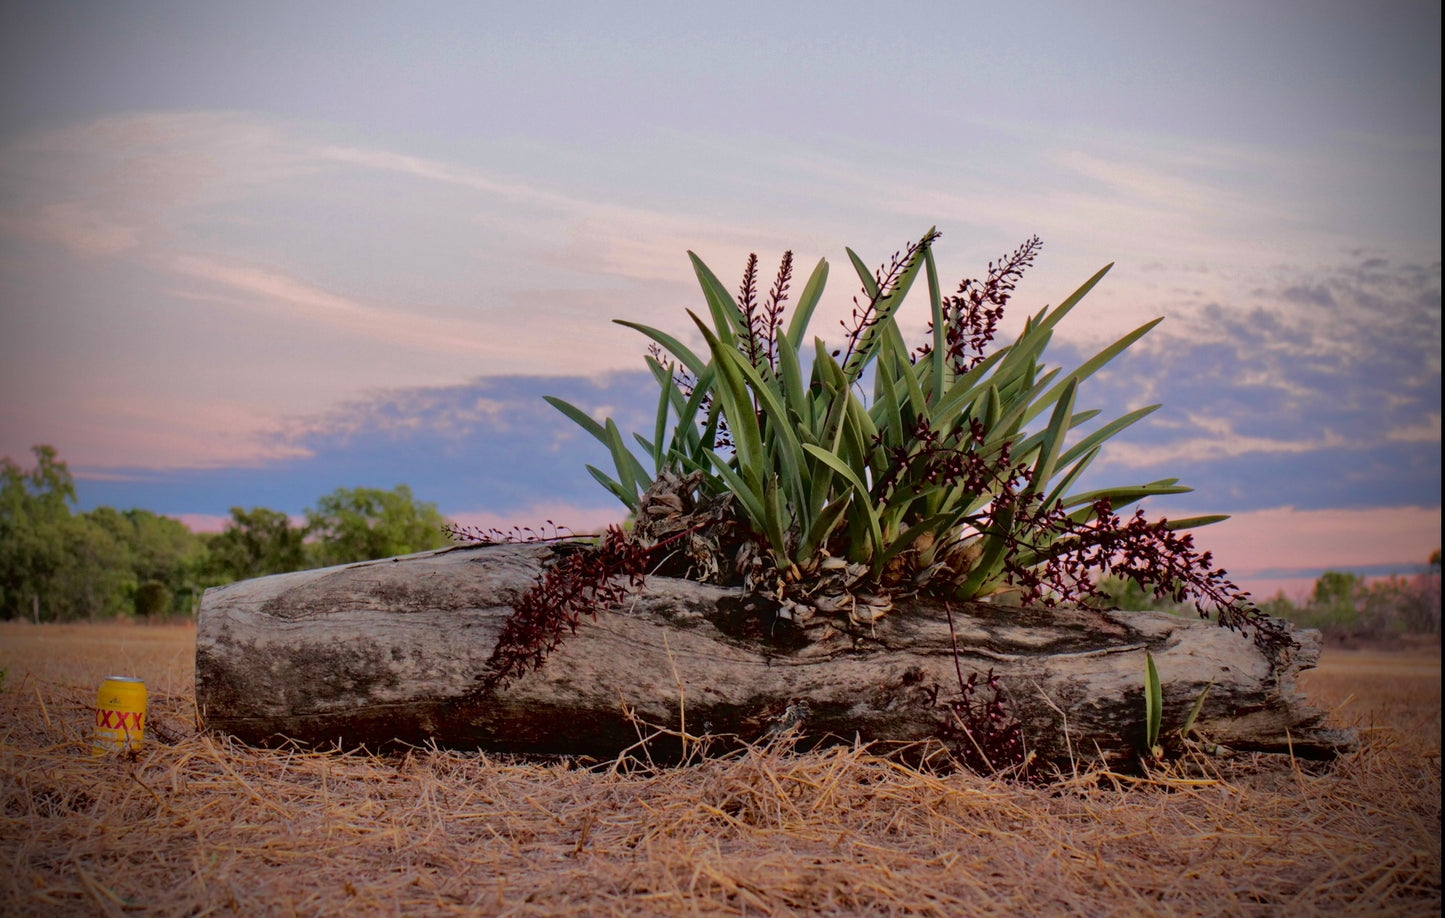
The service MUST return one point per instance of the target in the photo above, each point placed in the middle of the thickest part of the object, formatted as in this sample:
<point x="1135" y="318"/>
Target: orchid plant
<point x="947" y="469"/>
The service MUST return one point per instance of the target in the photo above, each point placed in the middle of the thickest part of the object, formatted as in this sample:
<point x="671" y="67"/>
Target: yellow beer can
<point x="120" y="715"/>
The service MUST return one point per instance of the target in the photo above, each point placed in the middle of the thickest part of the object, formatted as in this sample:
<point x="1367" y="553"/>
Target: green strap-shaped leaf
<point x="936" y="523"/>
<point x="1014" y="370"/>
<point x="776" y="522"/>
<point x="833" y="399"/>
<point x="1071" y="476"/>
<point x="675" y="347"/>
<point x="707" y="440"/>
<point x="826" y="370"/>
<point x="729" y="319"/>
<point x="937" y="364"/>
<point x="1195" y="522"/>
<point x="1016" y="407"/>
<point x="964" y="389"/>
<point x="630" y="472"/>
<point x="992" y="408"/>
<point x="659" y="429"/>
<point x="629" y="499"/>
<point x="990" y="563"/>
<point x="824" y="522"/>
<point x="1092" y="365"/>
<point x="749" y="498"/>
<point x="886" y="410"/>
<point x="1048" y="319"/>
<point x="861" y="501"/>
<point x="790" y="372"/>
<point x="807" y="302"/>
<point x="657" y="369"/>
<point x="1053" y="439"/>
<point x="784" y="443"/>
<point x="1153" y="703"/>
<point x="1194" y="711"/>
<point x="748" y="454"/>
<point x="579" y="417"/>
<point x="687" y="438"/>
<point x="1124" y="495"/>
<point x="859" y="432"/>
<point x="1031" y="443"/>
<point x="902" y="369"/>
<point x="870" y="283"/>
<point x="1097" y="437"/>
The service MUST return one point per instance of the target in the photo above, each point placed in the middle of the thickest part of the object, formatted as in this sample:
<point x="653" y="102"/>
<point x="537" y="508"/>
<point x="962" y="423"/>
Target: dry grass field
<point x="197" y="825"/>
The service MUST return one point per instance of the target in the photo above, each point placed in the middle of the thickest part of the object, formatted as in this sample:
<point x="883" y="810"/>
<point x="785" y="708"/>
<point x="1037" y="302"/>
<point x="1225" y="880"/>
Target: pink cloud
<point x="317" y="304"/>
<point x="156" y="431"/>
<point x="76" y="226"/>
<point x="1259" y="546"/>
<point x="203" y="522"/>
<point x="210" y="522"/>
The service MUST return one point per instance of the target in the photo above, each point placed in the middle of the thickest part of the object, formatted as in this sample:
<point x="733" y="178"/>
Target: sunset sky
<point x="253" y="252"/>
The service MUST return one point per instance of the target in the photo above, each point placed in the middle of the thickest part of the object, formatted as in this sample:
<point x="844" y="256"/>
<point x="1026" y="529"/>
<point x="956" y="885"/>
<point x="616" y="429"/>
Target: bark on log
<point x="393" y="651"/>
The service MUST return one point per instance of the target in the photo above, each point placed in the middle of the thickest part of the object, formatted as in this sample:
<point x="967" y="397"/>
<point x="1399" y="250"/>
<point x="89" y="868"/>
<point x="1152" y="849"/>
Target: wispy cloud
<point x="433" y="170"/>
<point x="581" y="234"/>
<point x="273" y="290"/>
<point x="77" y="226"/>
<point x="1428" y="432"/>
<point x="160" y="433"/>
<point x="1217" y="439"/>
<point x="133" y="171"/>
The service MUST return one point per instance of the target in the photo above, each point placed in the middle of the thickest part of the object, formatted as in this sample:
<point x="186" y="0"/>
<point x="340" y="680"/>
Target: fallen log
<point x="395" y="651"/>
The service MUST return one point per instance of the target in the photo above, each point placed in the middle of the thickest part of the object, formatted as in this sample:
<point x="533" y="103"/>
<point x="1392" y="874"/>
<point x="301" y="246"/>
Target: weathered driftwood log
<point x="394" y="651"/>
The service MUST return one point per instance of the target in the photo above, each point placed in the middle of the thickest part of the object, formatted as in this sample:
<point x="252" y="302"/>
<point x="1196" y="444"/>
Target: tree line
<point x="1344" y="606"/>
<point x="60" y="565"/>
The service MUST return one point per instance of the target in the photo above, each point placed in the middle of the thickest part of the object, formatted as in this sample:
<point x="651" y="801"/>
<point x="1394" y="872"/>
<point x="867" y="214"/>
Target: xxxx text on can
<point x="120" y="715"/>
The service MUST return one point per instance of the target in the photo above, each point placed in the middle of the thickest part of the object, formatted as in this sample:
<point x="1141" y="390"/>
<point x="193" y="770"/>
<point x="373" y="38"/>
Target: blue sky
<point x="252" y="253"/>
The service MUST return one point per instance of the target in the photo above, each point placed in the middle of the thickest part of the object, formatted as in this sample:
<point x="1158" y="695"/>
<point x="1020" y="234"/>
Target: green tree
<point x="1335" y="589"/>
<point x="1334" y="604"/>
<point x="359" y="524"/>
<point x="165" y="550"/>
<point x="160" y="550"/>
<point x="34" y="516"/>
<point x="1343" y="605"/>
<point x="94" y="578"/>
<point x="1281" y="607"/>
<point x="153" y="600"/>
<point x="1128" y="596"/>
<point x="255" y="543"/>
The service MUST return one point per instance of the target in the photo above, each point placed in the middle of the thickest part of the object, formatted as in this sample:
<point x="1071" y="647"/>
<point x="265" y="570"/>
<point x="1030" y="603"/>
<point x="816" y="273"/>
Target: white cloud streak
<point x="1428" y="432"/>
<point x="306" y="301"/>
<point x="1218" y="440"/>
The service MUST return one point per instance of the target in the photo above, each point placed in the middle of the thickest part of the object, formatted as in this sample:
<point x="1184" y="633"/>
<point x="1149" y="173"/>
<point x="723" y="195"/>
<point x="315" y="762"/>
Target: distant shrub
<point x="152" y="600"/>
<point x="1343" y="606"/>
<point x="1129" y="596"/>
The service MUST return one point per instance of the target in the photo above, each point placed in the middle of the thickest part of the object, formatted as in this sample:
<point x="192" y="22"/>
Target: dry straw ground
<point x="197" y="825"/>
